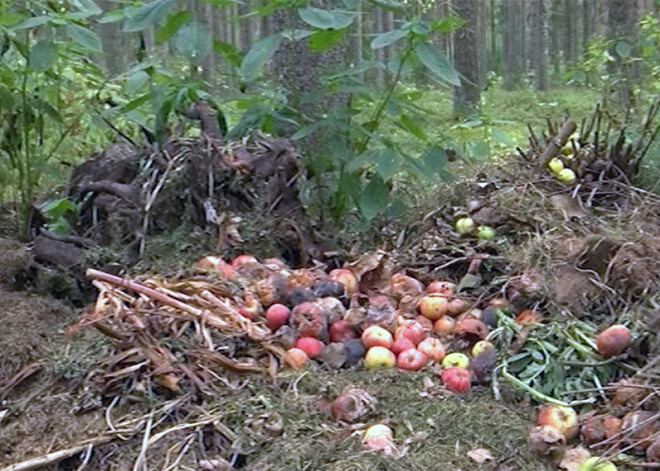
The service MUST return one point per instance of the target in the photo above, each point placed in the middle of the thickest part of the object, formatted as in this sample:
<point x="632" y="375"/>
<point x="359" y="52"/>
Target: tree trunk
<point x="113" y="41"/>
<point x="569" y="31"/>
<point x="507" y="20"/>
<point x="623" y="24"/>
<point x="539" y="42"/>
<point x="466" y="59"/>
<point x="245" y="26"/>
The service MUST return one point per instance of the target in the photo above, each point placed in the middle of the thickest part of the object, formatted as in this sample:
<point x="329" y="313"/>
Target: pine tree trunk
<point x="245" y="25"/>
<point x="507" y="20"/>
<point x="113" y="41"/>
<point x="539" y="42"/>
<point x="466" y="59"/>
<point x="623" y="20"/>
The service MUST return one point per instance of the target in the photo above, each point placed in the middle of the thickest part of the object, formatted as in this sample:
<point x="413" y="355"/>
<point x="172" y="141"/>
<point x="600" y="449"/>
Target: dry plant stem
<point x="25" y="372"/>
<point x="56" y="456"/>
<point x="556" y="144"/>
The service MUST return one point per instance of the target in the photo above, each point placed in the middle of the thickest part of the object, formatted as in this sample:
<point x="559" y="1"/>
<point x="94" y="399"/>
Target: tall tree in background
<point x="466" y="59"/>
<point x="510" y="46"/>
<point x="539" y="39"/>
<point x="623" y="20"/>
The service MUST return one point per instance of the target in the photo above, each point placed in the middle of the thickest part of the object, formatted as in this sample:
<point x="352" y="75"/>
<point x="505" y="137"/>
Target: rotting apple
<point x="464" y="225"/>
<point x="613" y="340"/>
<point x="401" y="285"/>
<point x="563" y="418"/>
<point x="481" y="346"/>
<point x="376" y="336"/>
<point x="340" y="331"/>
<point x="432" y="348"/>
<point x="401" y="344"/>
<point x="412" y="330"/>
<point x="456" y="379"/>
<point x="310" y="345"/>
<point x="426" y="323"/>
<point x="346" y="277"/>
<point x="411" y="360"/>
<point x="251" y="307"/>
<point x="433" y="306"/>
<point x="243" y="260"/>
<point x="455" y="359"/>
<point x="444" y="325"/>
<point x="457" y="306"/>
<point x="296" y="357"/>
<point x="276" y="316"/>
<point x="611" y="426"/>
<point x="443" y="288"/>
<point x="379" y="438"/>
<point x="215" y="263"/>
<point x="527" y="317"/>
<point x="471" y="329"/>
<point x="379" y="357"/>
<point x="354" y="352"/>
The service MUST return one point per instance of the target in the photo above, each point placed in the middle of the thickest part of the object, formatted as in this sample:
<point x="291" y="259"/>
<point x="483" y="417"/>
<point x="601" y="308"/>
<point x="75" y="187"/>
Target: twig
<point x="56" y="456"/>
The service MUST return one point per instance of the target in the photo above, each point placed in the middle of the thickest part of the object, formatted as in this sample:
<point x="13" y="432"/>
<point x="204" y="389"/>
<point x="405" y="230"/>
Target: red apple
<point x="433" y="306"/>
<point x="242" y="260"/>
<point x="443" y="288"/>
<point x="564" y="419"/>
<point x="311" y="346"/>
<point x="251" y="308"/>
<point x="340" y="331"/>
<point x="412" y="330"/>
<point x="296" y="357"/>
<point x="376" y="336"/>
<point x="277" y="315"/>
<point x="432" y="348"/>
<point x="444" y="325"/>
<point x="456" y="379"/>
<point x="345" y="277"/>
<point x="215" y="263"/>
<point x="411" y="360"/>
<point x="613" y="340"/>
<point x="457" y="306"/>
<point x="402" y="286"/>
<point x="379" y="357"/>
<point x="401" y="344"/>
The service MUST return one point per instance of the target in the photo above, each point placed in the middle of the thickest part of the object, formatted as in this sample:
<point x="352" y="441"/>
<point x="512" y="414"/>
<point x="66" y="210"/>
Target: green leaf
<point x="56" y="208"/>
<point x="147" y="15"/>
<point x="447" y="24"/>
<point x="42" y="56"/>
<point x="296" y="34"/>
<point x="88" y="7"/>
<point x="32" y="22"/>
<point x="503" y="138"/>
<point x="305" y="131"/>
<point x="86" y="38"/>
<point x="171" y="26"/>
<point x="317" y="18"/>
<point x="112" y="17"/>
<point x="468" y="281"/>
<point x="193" y="41"/>
<point x="411" y="125"/>
<point x="10" y="18"/>
<point x="134" y="104"/>
<point x="136" y="81"/>
<point x="374" y="197"/>
<point x="262" y="51"/>
<point x="385" y="39"/>
<point x="387" y="162"/>
<point x="392" y="5"/>
<point x="324" y="39"/>
<point x="229" y="52"/>
<point x="437" y="63"/>
<point x="623" y="49"/>
<point x="326" y="19"/>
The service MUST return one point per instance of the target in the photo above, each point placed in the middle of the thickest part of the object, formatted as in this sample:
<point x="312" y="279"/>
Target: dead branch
<point x="558" y="142"/>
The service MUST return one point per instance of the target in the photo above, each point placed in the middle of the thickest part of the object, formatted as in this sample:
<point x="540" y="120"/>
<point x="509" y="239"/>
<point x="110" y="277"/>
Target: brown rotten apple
<point x="613" y="340"/>
<point x="345" y="277"/>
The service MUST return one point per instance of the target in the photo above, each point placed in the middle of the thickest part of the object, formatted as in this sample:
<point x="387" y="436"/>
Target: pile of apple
<point x="324" y="317"/>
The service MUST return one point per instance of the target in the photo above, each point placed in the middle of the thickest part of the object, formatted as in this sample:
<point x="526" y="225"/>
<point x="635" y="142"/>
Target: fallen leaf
<point x="573" y="458"/>
<point x="480" y="455"/>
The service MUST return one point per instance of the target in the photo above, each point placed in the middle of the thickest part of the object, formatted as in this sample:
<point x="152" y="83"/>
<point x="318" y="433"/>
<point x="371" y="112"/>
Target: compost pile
<point x="536" y="278"/>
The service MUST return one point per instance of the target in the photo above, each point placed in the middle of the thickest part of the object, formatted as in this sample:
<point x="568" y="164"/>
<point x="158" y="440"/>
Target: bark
<point x="588" y="21"/>
<point x="493" y="63"/>
<point x="244" y="26"/>
<point x="555" y="34"/>
<point x="508" y="43"/>
<point x="112" y="41"/>
<point x="569" y="15"/>
<point x="207" y="16"/>
<point x="299" y="71"/>
<point x="466" y="59"/>
<point x="623" y="24"/>
<point x="539" y="42"/>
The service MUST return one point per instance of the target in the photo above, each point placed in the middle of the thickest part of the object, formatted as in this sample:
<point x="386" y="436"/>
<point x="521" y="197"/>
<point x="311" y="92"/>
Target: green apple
<point x="464" y="225"/>
<point x="456" y="359"/>
<point x="556" y="166"/>
<point x="596" y="463"/>
<point x="567" y="176"/>
<point x="485" y="232"/>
